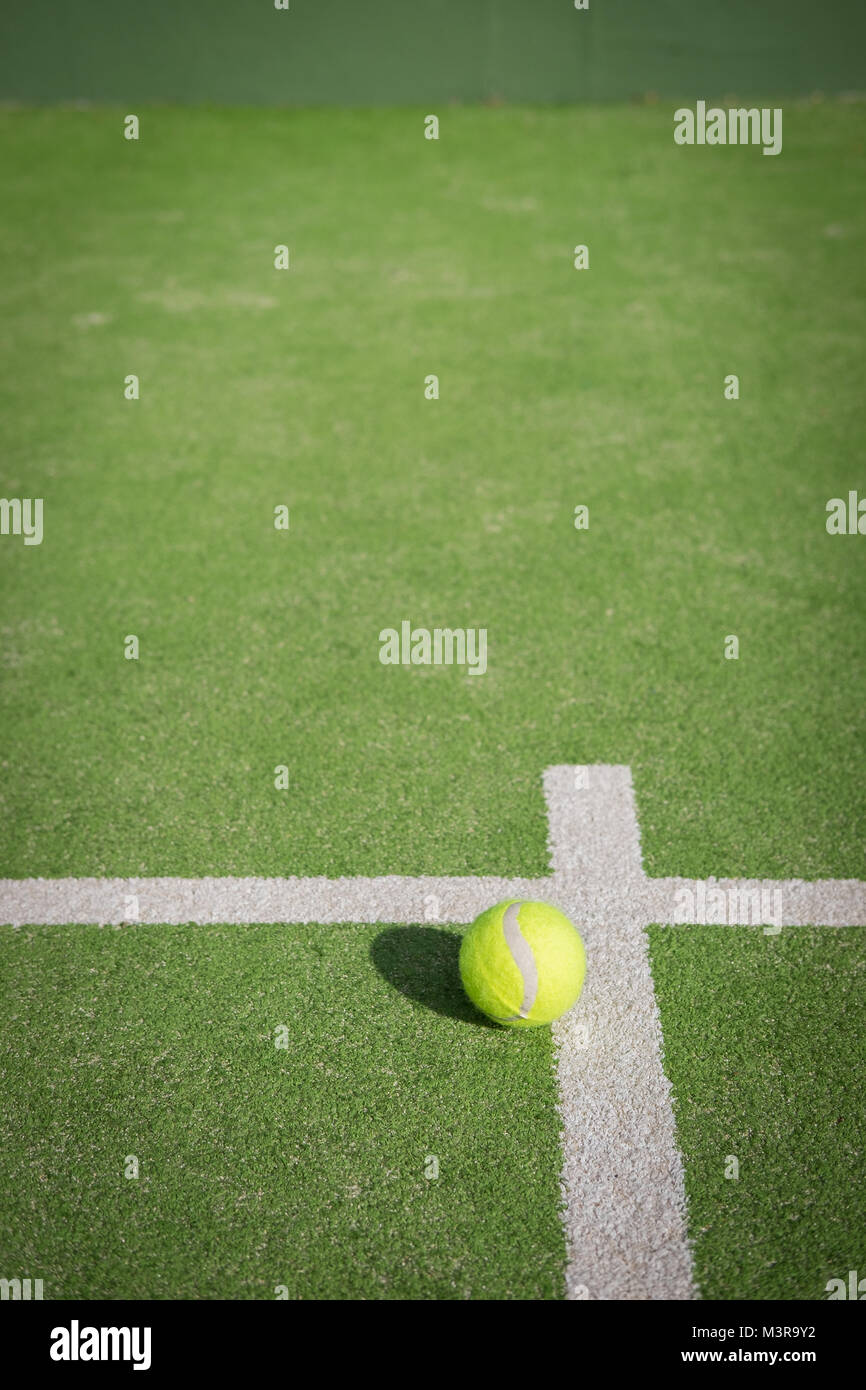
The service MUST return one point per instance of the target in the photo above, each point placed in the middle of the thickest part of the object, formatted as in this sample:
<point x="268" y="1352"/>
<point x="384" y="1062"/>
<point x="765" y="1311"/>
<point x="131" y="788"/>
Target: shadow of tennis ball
<point x="421" y="962"/>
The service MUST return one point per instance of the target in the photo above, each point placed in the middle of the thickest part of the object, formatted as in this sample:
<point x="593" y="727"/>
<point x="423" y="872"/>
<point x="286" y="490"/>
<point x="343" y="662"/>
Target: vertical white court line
<point x="622" y="1171"/>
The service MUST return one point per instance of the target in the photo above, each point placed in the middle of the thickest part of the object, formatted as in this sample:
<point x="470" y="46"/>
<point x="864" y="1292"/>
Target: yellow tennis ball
<point x="522" y="963"/>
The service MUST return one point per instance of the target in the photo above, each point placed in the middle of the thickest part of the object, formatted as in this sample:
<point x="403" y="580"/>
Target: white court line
<point x="622" y="1174"/>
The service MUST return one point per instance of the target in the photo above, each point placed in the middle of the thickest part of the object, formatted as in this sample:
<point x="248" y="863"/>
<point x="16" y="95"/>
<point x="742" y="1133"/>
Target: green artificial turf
<point x="260" y="648"/>
<point x="260" y="1167"/>
<point x="766" y="1051"/>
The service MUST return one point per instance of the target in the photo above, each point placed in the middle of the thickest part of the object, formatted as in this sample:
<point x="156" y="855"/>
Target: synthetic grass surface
<point x="605" y="387"/>
<point x="258" y="1166"/>
<point x="260" y="648"/>
<point x="766" y="1050"/>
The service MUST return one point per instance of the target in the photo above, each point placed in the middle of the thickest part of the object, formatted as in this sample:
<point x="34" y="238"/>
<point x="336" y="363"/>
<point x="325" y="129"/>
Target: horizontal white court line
<point x="622" y="1175"/>
<point x="396" y="899"/>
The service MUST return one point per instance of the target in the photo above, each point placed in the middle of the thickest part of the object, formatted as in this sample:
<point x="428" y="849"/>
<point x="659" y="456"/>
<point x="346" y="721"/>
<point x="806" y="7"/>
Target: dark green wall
<point x="396" y="52"/>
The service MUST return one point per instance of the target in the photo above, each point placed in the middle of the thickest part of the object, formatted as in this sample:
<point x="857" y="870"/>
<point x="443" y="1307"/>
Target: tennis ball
<point x="522" y="963"/>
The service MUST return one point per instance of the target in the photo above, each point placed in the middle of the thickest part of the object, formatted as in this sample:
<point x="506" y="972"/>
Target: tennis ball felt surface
<point x="522" y="963"/>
